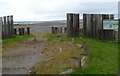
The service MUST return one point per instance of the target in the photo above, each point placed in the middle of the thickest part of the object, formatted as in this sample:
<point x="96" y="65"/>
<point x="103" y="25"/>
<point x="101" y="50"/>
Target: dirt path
<point x="18" y="59"/>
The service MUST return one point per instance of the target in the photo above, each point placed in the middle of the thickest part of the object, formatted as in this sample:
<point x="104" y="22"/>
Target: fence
<point x="22" y="31"/>
<point x="58" y="29"/>
<point x="93" y="26"/>
<point x="7" y="26"/>
<point x="8" y="30"/>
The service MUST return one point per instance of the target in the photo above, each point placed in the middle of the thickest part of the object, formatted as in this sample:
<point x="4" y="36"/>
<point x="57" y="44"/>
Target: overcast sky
<point x="44" y="10"/>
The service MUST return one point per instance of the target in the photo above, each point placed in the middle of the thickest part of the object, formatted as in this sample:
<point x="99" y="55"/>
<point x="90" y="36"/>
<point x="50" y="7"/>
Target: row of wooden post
<point x="22" y="31"/>
<point x="7" y="26"/>
<point x="93" y="26"/>
<point x="58" y="30"/>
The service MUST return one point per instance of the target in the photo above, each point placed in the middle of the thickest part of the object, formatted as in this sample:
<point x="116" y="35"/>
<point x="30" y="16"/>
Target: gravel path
<point x="18" y="59"/>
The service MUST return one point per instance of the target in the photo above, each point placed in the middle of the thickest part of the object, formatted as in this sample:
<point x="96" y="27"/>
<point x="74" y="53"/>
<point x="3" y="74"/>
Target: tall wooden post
<point x="8" y="24"/>
<point x="91" y="25"/>
<point x="99" y="26"/>
<point x="1" y="25"/>
<point x="5" y="28"/>
<point x="72" y="25"/>
<point x="88" y="25"/>
<point x="11" y="26"/>
<point x="94" y="26"/>
<point x="119" y="32"/>
<point x="69" y="24"/>
<point x="75" y="25"/>
<point x="84" y="24"/>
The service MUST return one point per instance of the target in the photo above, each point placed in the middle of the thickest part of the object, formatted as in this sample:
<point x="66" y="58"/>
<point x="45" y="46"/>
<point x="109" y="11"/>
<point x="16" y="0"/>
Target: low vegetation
<point x="7" y="43"/>
<point x="16" y="24"/>
<point x="58" y="57"/>
<point x="103" y="58"/>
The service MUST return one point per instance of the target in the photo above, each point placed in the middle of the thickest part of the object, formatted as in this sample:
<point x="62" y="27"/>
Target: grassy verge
<point x="103" y="58"/>
<point x="7" y="43"/>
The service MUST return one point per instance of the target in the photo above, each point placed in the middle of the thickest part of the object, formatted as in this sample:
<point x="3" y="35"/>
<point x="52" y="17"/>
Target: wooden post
<point x="11" y="26"/>
<point x="99" y="26"/>
<point x="52" y="29"/>
<point x="75" y="25"/>
<point x="56" y="30"/>
<point x="28" y="30"/>
<point x="8" y="25"/>
<point x="1" y="25"/>
<point x="20" y="31"/>
<point x="15" y="31"/>
<point x="59" y="30"/>
<point x="88" y="25"/>
<point x="84" y="23"/>
<point x="70" y="24"/>
<point x="119" y="31"/>
<point x="5" y="28"/>
<point x="108" y="35"/>
<point x="23" y="31"/>
<point x="94" y="26"/>
<point x="105" y="16"/>
<point x="65" y="30"/>
<point x="111" y="16"/>
<point x="91" y="25"/>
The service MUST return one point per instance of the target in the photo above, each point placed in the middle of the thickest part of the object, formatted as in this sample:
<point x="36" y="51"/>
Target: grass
<point x="7" y="43"/>
<point x="16" y="24"/>
<point x="60" y="60"/>
<point x="103" y="57"/>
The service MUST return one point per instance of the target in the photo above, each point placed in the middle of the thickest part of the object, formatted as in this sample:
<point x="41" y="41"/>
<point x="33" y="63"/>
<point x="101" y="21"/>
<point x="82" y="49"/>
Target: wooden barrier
<point x="22" y="31"/>
<point x="7" y="27"/>
<point x="93" y="25"/>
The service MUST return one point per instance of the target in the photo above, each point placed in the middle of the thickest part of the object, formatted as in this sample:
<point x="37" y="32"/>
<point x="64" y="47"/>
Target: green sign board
<point x="110" y="25"/>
